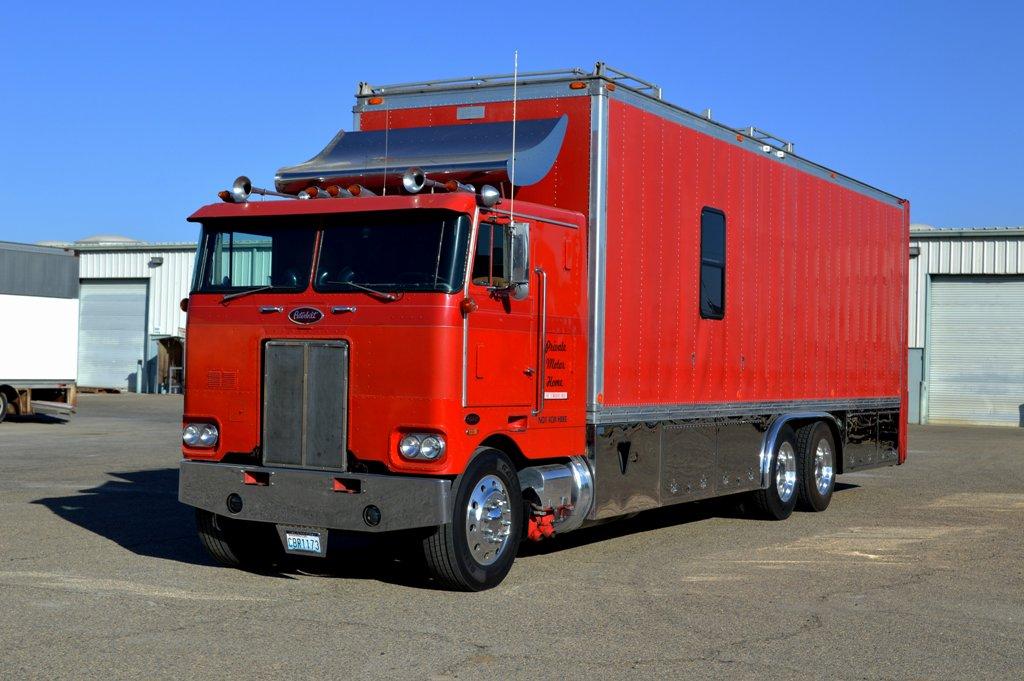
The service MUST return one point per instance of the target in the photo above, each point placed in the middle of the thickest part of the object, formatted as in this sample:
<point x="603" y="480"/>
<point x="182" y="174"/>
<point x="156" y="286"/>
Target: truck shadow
<point x="140" y="511"/>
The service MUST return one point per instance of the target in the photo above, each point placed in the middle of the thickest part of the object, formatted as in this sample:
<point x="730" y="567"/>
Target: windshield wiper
<point x="383" y="295"/>
<point x="239" y="294"/>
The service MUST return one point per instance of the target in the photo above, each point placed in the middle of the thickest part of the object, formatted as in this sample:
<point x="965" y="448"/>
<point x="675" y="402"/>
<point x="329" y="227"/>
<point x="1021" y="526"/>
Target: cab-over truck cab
<point x="349" y="359"/>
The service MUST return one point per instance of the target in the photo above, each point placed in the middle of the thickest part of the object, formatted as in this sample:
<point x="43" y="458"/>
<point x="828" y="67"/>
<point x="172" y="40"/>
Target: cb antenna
<point x="515" y="97"/>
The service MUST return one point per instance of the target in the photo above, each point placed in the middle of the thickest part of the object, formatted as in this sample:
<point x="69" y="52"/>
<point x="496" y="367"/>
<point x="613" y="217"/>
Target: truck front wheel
<point x="476" y="549"/>
<point x="238" y="543"/>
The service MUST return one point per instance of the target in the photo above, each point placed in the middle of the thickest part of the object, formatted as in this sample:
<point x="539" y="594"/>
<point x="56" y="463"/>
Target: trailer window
<point x="712" y="263"/>
<point x="276" y="256"/>
<point x="489" y="262"/>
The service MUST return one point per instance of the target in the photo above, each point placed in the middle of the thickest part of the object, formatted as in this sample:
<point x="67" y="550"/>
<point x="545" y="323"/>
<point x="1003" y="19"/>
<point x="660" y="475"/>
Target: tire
<point x="816" y="466"/>
<point x="467" y="554"/>
<point x="777" y="501"/>
<point x="238" y="543"/>
<point x="3" y="406"/>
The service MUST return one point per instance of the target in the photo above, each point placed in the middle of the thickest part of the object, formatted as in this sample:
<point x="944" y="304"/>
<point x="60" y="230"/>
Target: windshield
<point x="260" y="254"/>
<point x="410" y="250"/>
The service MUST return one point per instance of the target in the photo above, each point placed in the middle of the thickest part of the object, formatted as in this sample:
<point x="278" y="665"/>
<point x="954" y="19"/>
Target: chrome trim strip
<point x="269" y="309"/>
<point x="342" y="309"/>
<point x="542" y="340"/>
<point x="472" y="94"/>
<point x="598" y="237"/>
<point x="470" y="254"/>
<point x="676" y="412"/>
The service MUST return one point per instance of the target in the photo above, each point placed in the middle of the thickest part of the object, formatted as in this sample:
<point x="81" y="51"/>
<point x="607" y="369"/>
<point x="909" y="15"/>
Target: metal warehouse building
<point x="966" y="331"/>
<point x="131" y="328"/>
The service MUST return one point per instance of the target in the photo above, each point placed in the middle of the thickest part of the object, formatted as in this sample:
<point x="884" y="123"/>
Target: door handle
<point x="542" y="335"/>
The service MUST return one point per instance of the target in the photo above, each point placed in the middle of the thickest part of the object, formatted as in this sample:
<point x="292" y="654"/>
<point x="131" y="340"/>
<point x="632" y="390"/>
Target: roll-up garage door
<point x="111" y="334"/>
<point x="975" y="350"/>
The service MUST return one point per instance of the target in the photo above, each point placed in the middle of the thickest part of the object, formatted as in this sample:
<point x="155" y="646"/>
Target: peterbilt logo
<point x="305" y="315"/>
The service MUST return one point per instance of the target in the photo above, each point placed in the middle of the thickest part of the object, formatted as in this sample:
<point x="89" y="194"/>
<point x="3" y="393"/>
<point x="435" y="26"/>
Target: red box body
<point x="816" y="289"/>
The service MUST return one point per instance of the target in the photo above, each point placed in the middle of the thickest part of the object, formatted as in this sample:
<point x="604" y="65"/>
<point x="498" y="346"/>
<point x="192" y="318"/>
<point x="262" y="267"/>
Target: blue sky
<point x="124" y="119"/>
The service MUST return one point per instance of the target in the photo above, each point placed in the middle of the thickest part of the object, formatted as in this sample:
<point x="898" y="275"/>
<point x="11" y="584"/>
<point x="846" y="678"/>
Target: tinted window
<point x="712" y="263"/>
<point x="274" y="255"/>
<point x="408" y="250"/>
<point x="489" y="262"/>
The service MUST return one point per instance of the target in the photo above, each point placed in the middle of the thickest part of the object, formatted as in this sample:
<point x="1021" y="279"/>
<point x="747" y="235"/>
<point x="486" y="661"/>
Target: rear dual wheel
<point x="777" y="501"/>
<point x="816" y="463"/>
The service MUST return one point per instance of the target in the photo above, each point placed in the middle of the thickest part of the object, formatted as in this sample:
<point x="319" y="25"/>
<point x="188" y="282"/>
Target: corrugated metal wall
<point x="987" y="252"/>
<point x="956" y="259"/>
<point x="168" y="282"/>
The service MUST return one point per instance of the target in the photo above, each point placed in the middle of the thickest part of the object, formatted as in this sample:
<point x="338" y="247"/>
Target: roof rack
<point x="767" y="137"/>
<point x="601" y="70"/>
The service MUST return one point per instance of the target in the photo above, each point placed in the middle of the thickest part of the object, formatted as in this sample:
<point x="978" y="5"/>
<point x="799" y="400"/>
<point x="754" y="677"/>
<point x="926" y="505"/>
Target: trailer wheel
<point x="816" y="463"/>
<point x="238" y="543"/>
<point x="777" y="501"/>
<point x="476" y="549"/>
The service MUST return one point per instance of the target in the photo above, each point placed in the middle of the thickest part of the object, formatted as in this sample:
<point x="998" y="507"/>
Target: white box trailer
<point x="38" y="329"/>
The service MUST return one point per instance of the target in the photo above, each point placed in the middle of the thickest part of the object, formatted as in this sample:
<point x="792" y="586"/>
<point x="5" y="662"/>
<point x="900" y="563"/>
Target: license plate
<point x="303" y="542"/>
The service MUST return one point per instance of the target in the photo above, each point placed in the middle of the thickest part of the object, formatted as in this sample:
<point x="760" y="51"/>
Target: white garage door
<point x="111" y="334"/>
<point x="976" y="350"/>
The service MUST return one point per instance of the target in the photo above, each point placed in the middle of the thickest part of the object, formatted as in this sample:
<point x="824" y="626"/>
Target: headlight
<point x="190" y="436"/>
<point x="423" y="446"/>
<point x="431" y="447"/>
<point x="409" y="447"/>
<point x="200" y="435"/>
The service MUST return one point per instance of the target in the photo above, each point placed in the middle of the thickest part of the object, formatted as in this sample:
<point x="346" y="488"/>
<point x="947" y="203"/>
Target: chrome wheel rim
<point x="785" y="471"/>
<point x="488" y="520"/>
<point x="824" y="470"/>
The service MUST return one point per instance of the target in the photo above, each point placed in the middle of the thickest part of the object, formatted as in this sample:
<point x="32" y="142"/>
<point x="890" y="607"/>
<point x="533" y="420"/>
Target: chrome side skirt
<point x="649" y="464"/>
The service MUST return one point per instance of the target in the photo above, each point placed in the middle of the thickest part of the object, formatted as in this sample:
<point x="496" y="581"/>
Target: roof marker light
<point x="360" y="190"/>
<point x="374" y="101"/>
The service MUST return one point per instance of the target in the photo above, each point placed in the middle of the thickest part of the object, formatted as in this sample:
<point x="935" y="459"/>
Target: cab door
<point x="501" y="353"/>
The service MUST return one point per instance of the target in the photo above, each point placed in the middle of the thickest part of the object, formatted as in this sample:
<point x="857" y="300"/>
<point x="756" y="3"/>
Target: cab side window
<point x="489" y="259"/>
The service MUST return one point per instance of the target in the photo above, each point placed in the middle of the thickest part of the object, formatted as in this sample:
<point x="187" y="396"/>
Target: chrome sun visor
<point x="471" y="153"/>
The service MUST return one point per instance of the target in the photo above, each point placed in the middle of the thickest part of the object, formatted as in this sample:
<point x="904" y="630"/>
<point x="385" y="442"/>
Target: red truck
<point x="436" y="335"/>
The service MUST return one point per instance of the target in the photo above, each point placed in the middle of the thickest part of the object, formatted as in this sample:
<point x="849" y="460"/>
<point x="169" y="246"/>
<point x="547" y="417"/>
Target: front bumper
<point x="290" y="496"/>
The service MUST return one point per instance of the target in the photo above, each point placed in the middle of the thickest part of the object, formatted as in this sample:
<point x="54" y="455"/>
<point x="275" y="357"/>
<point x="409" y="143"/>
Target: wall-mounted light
<point x="156" y="261"/>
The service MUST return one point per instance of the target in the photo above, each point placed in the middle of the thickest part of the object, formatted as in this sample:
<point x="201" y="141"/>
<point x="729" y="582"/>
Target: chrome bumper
<point x="289" y="496"/>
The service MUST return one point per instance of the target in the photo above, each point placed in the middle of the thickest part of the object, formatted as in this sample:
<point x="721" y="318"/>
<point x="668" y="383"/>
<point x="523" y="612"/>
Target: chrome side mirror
<point x="517" y="259"/>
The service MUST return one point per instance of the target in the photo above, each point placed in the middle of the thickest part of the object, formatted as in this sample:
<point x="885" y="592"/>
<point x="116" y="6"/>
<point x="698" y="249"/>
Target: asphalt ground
<point x="913" y="572"/>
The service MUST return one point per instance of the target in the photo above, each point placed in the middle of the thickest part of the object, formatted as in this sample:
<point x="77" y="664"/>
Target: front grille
<point x="305" y="397"/>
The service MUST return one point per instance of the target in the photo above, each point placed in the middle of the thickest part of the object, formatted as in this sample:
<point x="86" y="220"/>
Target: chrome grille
<point x="305" y="397"/>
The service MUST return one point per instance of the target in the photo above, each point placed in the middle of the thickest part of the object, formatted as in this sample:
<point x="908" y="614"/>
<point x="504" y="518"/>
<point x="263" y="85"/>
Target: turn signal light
<point x="577" y="85"/>
<point x="374" y="101"/>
